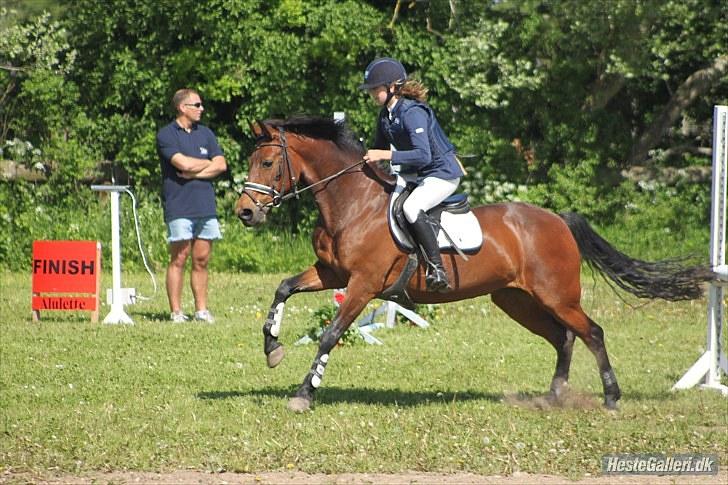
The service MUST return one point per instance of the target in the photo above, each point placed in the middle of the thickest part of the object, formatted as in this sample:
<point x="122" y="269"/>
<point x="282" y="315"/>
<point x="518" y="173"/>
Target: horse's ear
<point x="262" y="132"/>
<point x="259" y="130"/>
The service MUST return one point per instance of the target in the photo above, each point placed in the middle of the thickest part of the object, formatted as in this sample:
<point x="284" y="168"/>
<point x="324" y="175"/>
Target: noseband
<point x="277" y="197"/>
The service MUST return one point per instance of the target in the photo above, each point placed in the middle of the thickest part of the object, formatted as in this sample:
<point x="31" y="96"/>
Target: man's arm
<point x="184" y="163"/>
<point x="169" y="149"/>
<point x="214" y="167"/>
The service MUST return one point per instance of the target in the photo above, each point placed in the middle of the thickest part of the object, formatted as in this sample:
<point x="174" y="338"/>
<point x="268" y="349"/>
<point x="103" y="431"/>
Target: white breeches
<point x="430" y="192"/>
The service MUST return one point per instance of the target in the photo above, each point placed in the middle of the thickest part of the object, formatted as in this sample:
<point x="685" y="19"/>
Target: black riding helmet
<point x="383" y="72"/>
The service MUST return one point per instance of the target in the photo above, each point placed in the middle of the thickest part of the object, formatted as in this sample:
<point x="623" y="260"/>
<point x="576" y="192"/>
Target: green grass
<point x="459" y="396"/>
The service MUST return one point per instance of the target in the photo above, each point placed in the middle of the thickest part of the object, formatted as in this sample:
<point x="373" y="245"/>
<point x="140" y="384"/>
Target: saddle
<point x="459" y="230"/>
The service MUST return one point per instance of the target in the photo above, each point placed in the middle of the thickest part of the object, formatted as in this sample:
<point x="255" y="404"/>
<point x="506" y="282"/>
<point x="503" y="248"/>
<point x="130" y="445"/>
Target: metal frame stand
<point x="117" y="314"/>
<point x="392" y="309"/>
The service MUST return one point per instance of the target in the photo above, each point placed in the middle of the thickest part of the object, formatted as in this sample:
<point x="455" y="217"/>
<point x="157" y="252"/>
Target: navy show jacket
<point x="421" y="145"/>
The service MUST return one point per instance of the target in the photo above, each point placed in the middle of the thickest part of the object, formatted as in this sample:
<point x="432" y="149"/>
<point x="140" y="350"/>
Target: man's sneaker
<point x="204" y="316"/>
<point x="178" y="317"/>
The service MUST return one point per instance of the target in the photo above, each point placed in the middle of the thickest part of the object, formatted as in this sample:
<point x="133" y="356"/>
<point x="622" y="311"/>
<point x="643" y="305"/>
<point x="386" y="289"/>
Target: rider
<point x="409" y="135"/>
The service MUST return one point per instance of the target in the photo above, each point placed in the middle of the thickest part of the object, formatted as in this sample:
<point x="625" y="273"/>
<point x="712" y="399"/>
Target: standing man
<point x="190" y="158"/>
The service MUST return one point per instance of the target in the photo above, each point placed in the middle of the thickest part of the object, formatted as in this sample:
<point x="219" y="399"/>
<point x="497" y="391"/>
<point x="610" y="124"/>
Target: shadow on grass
<point x="333" y="395"/>
<point x="574" y="400"/>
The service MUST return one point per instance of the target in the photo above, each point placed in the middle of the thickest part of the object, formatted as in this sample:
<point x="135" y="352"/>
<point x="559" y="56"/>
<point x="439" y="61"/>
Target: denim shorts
<point x="183" y="229"/>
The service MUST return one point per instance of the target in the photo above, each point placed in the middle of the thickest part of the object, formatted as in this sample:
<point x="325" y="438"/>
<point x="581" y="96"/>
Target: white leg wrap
<point x="275" y="329"/>
<point x="318" y="373"/>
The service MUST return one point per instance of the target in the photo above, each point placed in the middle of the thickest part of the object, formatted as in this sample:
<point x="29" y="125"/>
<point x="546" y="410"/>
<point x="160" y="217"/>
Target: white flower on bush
<point x="20" y="150"/>
<point x="649" y="185"/>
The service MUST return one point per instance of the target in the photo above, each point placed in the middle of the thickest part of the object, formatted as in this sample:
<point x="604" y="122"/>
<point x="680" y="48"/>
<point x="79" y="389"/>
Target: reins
<point x="277" y="198"/>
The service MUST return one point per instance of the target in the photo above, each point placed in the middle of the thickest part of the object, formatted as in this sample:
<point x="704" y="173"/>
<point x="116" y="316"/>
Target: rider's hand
<point x="372" y="156"/>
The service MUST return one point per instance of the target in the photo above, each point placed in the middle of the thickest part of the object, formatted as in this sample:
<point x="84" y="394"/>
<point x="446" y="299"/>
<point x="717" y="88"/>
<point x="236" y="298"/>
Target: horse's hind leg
<point x="521" y="307"/>
<point x="317" y="277"/>
<point x="593" y="336"/>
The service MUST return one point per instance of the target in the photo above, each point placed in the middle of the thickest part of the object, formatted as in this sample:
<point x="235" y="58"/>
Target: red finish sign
<point x="66" y="267"/>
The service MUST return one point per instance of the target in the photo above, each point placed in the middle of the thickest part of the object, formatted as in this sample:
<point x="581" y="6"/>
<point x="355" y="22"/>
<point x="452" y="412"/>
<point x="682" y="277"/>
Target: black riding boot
<point x="424" y="232"/>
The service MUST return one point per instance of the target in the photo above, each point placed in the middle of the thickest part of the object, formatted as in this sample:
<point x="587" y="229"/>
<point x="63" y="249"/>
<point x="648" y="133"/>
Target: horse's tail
<point x="668" y="279"/>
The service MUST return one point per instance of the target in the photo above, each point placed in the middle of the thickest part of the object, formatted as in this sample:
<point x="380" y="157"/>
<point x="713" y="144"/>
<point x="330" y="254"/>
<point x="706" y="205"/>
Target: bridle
<point x="276" y="195"/>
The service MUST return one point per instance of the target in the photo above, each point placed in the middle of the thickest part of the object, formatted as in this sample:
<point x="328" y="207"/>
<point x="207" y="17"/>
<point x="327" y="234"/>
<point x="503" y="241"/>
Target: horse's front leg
<point x="317" y="277"/>
<point x="352" y="306"/>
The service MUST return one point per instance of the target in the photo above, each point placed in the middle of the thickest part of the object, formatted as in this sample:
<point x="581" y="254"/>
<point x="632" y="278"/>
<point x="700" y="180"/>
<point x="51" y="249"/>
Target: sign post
<point x="708" y="367"/>
<point x="64" y="267"/>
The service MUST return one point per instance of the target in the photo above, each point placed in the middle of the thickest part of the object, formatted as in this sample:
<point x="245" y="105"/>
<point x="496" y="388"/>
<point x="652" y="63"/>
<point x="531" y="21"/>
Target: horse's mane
<point x="320" y="128"/>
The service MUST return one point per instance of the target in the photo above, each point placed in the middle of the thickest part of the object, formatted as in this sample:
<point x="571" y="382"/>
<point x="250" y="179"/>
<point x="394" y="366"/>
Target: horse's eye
<point x="267" y="163"/>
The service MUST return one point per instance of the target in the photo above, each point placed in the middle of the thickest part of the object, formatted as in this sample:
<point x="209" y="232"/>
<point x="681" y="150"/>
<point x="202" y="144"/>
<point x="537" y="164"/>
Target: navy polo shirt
<point x="183" y="197"/>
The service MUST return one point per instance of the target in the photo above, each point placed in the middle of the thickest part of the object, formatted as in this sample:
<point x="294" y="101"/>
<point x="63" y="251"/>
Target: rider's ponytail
<point x="413" y="89"/>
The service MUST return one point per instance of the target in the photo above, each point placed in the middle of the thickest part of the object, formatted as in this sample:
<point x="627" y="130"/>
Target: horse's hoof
<point x="299" y="404"/>
<point x="610" y="404"/>
<point x="559" y="388"/>
<point x="276" y="356"/>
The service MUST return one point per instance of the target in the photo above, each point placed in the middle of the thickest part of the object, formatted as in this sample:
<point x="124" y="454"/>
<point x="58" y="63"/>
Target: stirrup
<point x="436" y="280"/>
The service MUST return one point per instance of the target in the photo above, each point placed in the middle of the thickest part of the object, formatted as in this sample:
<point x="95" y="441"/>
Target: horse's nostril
<point x="245" y="215"/>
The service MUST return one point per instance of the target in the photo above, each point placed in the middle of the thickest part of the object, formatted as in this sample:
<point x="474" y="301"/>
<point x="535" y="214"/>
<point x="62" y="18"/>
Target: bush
<point x="660" y="221"/>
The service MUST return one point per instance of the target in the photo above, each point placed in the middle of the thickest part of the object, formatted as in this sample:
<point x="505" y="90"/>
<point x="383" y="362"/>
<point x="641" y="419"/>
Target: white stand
<point x="117" y="313"/>
<point x="707" y="369"/>
<point x="391" y="309"/>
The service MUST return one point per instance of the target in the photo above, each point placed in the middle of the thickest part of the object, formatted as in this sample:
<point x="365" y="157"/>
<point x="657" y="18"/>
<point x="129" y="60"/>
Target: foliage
<point x="27" y="219"/>
<point x="572" y="81"/>
<point x="14" y="11"/>
<point x="663" y="216"/>
<point x="577" y="188"/>
<point x="17" y="149"/>
<point x="491" y="77"/>
<point x="34" y="59"/>
<point x="265" y="250"/>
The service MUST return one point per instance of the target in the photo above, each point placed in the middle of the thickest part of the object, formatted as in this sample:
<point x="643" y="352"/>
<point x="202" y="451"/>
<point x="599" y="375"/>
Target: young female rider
<point x="409" y="135"/>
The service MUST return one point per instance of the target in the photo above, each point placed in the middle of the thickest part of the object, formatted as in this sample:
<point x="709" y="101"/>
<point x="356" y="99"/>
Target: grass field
<point x="462" y="395"/>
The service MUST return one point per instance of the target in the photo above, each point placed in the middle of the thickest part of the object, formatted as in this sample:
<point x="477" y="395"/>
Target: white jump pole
<point x="708" y="367"/>
<point x="117" y="313"/>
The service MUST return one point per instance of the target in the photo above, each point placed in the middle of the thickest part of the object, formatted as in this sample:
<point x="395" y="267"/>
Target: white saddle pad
<point x="463" y="229"/>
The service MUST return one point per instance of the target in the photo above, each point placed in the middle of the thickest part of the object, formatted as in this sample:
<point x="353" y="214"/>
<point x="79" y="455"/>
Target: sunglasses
<point x="196" y="105"/>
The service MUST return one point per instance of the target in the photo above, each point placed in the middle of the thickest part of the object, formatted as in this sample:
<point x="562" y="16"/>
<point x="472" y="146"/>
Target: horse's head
<point x="271" y="175"/>
<point x="318" y="150"/>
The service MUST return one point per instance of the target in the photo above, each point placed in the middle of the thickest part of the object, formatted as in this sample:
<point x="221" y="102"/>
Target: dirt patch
<point x="284" y="478"/>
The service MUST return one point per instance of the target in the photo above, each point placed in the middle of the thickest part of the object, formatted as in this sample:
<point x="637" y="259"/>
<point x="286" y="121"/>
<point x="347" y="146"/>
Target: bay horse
<point x="529" y="262"/>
